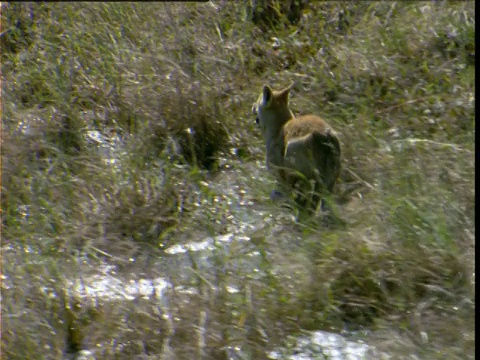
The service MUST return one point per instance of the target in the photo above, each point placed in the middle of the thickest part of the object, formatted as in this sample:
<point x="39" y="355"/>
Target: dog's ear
<point x="267" y="95"/>
<point x="284" y="94"/>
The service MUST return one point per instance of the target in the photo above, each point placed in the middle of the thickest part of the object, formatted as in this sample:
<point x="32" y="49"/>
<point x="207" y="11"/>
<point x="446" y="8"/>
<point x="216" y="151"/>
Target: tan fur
<point x="303" y="152"/>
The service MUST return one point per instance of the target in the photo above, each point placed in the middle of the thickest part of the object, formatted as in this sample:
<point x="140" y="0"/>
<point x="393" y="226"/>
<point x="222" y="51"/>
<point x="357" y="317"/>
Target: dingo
<point x="303" y="152"/>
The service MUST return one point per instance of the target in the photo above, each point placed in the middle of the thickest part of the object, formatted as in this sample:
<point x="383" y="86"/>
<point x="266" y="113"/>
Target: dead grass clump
<point x="32" y="285"/>
<point x="18" y="35"/>
<point x="270" y="14"/>
<point x="190" y="125"/>
<point x="358" y="285"/>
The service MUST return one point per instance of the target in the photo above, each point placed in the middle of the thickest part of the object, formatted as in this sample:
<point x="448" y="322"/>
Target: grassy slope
<point x="175" y="83"/>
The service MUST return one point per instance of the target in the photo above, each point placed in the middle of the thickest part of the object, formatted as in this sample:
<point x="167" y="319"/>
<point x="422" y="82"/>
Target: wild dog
<point x="303" y="152"/>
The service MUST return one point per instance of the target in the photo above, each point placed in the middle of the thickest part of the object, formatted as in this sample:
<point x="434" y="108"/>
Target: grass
<point x="169" y="87"/>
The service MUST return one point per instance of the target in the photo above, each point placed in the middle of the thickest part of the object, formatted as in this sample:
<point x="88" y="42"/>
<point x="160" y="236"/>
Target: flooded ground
<point x="249" y="244"/>
<point x="109" y="287"/>
<point x="243" y="219"/>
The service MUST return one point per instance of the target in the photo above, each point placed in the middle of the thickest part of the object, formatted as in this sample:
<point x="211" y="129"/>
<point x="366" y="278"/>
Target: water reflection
<point x="112" y="288"/>
<point x="326" y="345"/>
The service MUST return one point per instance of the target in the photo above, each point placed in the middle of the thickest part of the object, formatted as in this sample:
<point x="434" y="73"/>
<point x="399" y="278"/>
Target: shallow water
<point x="315" y="345"/>
<point x="244" y="218"/>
